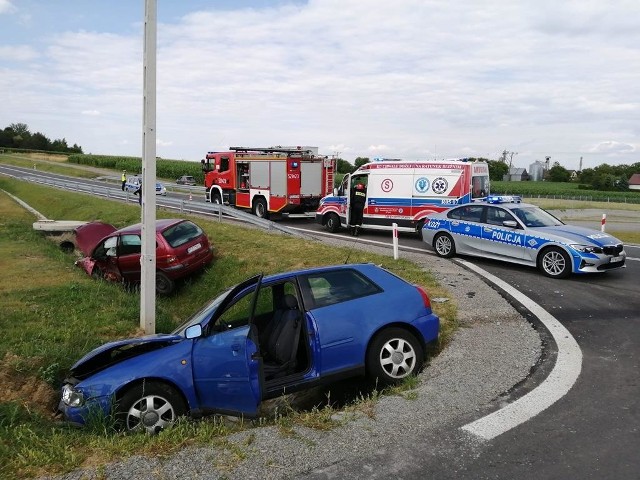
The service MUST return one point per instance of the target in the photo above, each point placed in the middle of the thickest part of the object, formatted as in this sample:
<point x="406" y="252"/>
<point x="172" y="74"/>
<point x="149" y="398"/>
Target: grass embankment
<point x="53" y="313"/>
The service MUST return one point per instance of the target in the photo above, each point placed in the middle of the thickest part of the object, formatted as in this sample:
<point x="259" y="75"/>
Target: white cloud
<point x="411" y="79"/>
<point x="6" y="7"/>
<point x="91" y="113"/>
<point x="18" y="53"/>
<point x="612" y="148"/>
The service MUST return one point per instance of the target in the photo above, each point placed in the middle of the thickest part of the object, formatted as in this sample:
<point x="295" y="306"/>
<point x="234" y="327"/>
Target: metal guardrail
<point x="183" y="206"/>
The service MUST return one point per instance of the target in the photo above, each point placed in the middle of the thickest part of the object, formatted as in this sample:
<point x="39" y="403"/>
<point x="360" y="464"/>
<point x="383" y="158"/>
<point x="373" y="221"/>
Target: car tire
<point x="419" y="229"/>
<point x="554" y="262"/>
<point x="333" y="222"/>
<point x="97" y="273"/>
<point x="393" y="355"/>
<point x="260" y="208"/>
<point x="164" y="285"/>
<point x="149" y="407"/>
<point x="444" y="245"/>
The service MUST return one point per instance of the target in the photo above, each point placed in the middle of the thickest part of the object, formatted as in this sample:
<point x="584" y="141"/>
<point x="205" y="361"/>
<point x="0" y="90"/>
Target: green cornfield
<point x="562" y="190"/>
<point x="168" y="169"/>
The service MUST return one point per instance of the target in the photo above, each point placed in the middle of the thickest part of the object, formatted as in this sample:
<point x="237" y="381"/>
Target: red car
<point x="182" y="248"/>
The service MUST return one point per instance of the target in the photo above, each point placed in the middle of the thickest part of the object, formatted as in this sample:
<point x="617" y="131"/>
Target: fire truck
<point x="404" y="192"/>
<point x="268" y="181"/>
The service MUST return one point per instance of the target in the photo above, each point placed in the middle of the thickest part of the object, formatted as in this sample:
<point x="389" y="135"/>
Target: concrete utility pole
<point x="148" y="259"/>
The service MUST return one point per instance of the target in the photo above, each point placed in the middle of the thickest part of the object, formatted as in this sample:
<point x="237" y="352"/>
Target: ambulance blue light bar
<point x="504" y="199"/>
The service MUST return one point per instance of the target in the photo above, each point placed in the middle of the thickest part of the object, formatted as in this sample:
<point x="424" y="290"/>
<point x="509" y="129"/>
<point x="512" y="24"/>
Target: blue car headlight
<point x="587" y="248"/>
<point x="71" y="396"/>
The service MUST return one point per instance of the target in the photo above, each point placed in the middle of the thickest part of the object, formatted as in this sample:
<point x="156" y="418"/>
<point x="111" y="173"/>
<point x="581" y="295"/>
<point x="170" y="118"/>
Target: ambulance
<point x="404" y="192"/>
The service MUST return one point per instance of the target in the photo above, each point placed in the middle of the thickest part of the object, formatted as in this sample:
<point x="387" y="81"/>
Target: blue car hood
<point x="115" y="352"/>
<point x="578" y="235"/>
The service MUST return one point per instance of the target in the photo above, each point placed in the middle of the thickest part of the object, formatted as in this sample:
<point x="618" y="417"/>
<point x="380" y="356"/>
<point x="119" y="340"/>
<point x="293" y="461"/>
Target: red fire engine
<point x="268" y="180"/>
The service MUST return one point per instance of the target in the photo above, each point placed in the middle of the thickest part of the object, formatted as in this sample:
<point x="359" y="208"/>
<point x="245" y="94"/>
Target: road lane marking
<point x="563" y="376"/>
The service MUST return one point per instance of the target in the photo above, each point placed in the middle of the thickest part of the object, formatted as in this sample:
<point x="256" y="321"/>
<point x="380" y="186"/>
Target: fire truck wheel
<point x="444" y="245"/>
<point x="333" y="223"/>
<point x="216" y="198"/>
<point x="260" y="208"/>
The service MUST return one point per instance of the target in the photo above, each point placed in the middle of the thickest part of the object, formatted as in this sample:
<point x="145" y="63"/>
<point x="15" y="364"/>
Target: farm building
<point x="516" y="175"/>
<point x="536" y="171"/>
<point x="634" y="182"/>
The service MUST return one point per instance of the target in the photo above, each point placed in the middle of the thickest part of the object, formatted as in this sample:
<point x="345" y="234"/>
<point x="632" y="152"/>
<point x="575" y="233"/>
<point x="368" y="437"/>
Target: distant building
<point x="516" y="175"/>
<point x="536" y="171"/>
<point x="634" y="182"/>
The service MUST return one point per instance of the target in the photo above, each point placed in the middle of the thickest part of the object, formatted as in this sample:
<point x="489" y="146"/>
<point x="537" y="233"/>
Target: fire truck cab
<point x="404" y="192"/>
<point x="268" y="180"/>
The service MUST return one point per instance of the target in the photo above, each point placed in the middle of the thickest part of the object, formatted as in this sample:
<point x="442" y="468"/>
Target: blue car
<point x="257" y="340"/>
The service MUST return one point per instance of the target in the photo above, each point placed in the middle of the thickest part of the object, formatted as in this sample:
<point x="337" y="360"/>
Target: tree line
<point x="18" y="136"/>
<point x="604" y="177"/>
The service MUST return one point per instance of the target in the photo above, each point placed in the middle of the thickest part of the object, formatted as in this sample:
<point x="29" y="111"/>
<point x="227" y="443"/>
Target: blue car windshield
<point x="536" y="217"/>
<point x="204" y="314"/>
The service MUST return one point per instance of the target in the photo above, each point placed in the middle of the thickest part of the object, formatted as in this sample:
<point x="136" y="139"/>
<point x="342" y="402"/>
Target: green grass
<point x="46" y="163"/>
<point x="53" y="313"/>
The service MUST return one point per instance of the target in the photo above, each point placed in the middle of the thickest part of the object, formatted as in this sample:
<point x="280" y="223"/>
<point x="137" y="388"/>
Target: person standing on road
<point x="124" y="178"/>
<point x="139" y="193"/>
<point x="358" y="201"/>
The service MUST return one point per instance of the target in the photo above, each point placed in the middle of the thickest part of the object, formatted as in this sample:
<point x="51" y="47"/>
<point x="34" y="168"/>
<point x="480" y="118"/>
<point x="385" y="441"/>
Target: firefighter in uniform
<point x="358" y="200"/>
<point x="124" y="178"/>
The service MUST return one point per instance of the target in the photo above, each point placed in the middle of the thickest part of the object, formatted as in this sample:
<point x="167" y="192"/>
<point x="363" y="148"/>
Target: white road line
<point x="562" y="377"/>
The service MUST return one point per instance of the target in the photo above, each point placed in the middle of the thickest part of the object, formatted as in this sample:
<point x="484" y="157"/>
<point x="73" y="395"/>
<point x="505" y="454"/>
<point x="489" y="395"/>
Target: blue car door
<point x="226" y="367"/>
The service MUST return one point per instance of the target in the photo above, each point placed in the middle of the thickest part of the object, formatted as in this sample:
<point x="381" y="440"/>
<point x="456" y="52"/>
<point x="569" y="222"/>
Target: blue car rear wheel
<point x="394" y="354"/>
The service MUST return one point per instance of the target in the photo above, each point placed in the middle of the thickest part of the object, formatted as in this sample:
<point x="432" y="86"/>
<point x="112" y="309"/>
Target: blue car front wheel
<point x="149" y="407"/>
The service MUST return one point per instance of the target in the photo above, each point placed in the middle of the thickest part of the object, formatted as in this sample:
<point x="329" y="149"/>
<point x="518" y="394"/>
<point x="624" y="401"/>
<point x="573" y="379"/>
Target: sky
<point x="412" y="79"/>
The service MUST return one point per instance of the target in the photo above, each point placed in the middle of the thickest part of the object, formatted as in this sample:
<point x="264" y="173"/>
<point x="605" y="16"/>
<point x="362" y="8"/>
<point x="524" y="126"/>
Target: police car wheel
<point x="333" y="223"/>
<point x="393" y="355"/>
<point x="444" y="245"/>
<point x="555" y="263"/>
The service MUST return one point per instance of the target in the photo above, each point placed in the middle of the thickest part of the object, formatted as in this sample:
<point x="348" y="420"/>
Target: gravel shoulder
<point x="494" y="349"/>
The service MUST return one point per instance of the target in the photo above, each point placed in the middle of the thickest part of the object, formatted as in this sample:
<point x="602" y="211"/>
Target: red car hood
<point x="88" y="236"/>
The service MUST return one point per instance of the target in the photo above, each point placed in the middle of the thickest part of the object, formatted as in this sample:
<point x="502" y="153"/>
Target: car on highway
<point x="132" y="185"/>
<point x="182" y="249"/>
<point x="186" y="180"/>
<point x="504" y="228"/>
<point x="263" y="337"/>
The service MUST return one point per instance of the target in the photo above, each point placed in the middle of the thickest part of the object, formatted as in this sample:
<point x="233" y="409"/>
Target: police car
<point x="504" y="228"/>
<point x="133" y="184"/>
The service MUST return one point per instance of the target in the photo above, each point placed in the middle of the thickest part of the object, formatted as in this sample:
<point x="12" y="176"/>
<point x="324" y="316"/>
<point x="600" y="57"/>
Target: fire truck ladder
<point x="288" y="151"/>
<point x="330" y="167"/>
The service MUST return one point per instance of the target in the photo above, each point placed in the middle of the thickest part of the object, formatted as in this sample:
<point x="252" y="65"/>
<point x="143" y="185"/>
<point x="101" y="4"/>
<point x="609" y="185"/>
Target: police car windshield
<point x="536" y="217"/>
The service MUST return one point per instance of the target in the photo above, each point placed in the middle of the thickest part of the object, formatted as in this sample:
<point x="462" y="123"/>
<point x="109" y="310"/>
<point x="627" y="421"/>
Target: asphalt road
<point x="593" y="432"/>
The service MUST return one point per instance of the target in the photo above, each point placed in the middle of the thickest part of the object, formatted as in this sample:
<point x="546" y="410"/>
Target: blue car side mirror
<point x="194" y="331"/>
